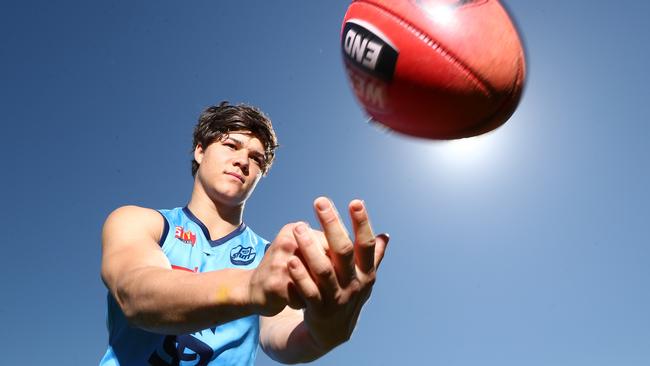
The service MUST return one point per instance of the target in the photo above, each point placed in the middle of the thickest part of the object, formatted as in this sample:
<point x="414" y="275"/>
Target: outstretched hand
<point x="334" y="283"/>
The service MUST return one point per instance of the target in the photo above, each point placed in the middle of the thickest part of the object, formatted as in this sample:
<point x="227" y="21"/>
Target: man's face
<point x="229" y="169"/>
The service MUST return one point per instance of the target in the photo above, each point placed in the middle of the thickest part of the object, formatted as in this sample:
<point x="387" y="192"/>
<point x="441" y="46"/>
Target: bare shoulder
<point x="132" y="222"/>
<point x="129" y="241"/>
<point x="131" y="212"/>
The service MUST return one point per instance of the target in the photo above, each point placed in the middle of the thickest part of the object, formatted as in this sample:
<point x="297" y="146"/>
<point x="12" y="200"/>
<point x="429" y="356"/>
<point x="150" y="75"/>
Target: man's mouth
<point x="236" y="176"/>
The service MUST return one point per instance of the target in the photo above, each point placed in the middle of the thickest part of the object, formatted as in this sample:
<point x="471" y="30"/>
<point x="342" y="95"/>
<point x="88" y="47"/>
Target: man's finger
<point x="381" y="242"/>
<point x="341" y="247"/>
<point x="304" y="284"/>
<point x="315" y="260"/>
<point x="364" y="239"/>
<point x="285" y="240"/>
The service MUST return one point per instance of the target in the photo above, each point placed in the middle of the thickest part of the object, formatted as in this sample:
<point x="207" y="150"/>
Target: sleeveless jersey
<point x="186" y="243"/>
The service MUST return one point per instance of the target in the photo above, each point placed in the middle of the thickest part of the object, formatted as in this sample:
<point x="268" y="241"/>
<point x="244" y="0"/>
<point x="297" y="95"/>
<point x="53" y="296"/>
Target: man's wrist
<point x="324" y="341"/>
<point x="252" y="297"/>
<point x="310" y="348"/>
<point x="236" y="292"/>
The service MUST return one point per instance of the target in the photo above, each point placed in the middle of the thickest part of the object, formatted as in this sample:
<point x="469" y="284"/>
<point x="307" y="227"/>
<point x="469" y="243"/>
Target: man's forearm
<point x="285" y="338"/>
<point x="176" y="302"/>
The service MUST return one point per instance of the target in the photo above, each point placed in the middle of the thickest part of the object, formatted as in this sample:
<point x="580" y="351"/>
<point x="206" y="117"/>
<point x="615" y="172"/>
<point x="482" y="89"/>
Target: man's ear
<point x="198" y="154"/>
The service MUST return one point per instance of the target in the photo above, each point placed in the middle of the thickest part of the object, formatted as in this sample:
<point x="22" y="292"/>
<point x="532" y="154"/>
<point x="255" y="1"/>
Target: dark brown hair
<point x="216" y="121"/>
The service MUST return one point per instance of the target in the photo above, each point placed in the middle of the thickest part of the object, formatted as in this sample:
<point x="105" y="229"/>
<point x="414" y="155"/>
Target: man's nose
<point x="241" y="161"/>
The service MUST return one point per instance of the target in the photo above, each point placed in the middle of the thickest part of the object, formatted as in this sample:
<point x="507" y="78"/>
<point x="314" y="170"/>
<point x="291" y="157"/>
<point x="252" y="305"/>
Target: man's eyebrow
<point x="258" y="154"/>
<point x="237" y="142"/>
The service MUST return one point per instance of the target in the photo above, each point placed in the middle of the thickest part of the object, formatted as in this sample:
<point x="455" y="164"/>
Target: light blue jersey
<point x="186" y="243"/>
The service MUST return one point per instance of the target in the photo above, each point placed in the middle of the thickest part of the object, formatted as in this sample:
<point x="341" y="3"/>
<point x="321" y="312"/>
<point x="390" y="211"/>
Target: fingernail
<point x="292" y="264"/>
<point x="357" y="205"/>
<point x="386" y="237"/>
<point x="301" y="228"/>
<point x="322" y="204"/>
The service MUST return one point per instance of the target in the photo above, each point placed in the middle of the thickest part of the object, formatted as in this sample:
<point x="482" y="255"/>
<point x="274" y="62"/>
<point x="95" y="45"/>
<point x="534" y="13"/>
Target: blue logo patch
<point x="242" y="256"/>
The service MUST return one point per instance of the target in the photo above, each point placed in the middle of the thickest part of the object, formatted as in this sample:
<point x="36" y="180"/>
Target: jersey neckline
<point x="213" y="243"/>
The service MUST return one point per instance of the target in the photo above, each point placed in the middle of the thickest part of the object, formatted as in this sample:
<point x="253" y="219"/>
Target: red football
<point x="438" y="69"/>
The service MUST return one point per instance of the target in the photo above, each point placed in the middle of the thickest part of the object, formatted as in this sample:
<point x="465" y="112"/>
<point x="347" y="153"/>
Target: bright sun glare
<point x="465" y="149"/>
<point x="456" y="163"/>
<point x="473" y="152"/>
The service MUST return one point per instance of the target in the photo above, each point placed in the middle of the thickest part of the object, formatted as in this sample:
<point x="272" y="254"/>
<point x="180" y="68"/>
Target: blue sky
<point x="526" y="246"/>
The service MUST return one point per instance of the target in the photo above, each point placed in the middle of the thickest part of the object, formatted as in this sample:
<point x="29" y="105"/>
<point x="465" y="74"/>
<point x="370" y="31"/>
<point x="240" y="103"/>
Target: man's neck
<point x="220" y="219"/>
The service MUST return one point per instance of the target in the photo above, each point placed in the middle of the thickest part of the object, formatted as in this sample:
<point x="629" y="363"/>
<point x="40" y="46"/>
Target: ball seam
<point x="489" y="124"/>
<point x="423" y="36"/>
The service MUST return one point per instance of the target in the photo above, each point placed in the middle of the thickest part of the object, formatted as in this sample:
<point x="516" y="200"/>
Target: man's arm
<point x="156" y="298"/>
<point x="334" y="284"/>
<point x="285" y="338"/>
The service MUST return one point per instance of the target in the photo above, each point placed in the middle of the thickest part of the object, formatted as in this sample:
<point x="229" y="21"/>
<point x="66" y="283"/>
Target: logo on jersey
<point x="183" y="349"/>
<point x="241" y="256"/>
<point x="368" y="48"/>
<point x="185" y="236"/>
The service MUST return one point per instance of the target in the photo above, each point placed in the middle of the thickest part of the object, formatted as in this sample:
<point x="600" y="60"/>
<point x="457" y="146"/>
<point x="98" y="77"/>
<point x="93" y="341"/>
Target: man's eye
<point x="229" y="145"/>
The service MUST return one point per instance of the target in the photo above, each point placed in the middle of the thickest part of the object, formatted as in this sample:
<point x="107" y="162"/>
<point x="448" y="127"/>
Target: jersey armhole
<point x="165" y="231"/>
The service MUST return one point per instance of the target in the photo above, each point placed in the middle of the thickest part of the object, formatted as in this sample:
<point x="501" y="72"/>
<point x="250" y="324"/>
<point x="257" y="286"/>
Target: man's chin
<point x="231" y="199"/>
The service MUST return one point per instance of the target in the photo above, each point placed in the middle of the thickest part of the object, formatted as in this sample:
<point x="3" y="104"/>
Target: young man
<point x="195" y="286"/>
